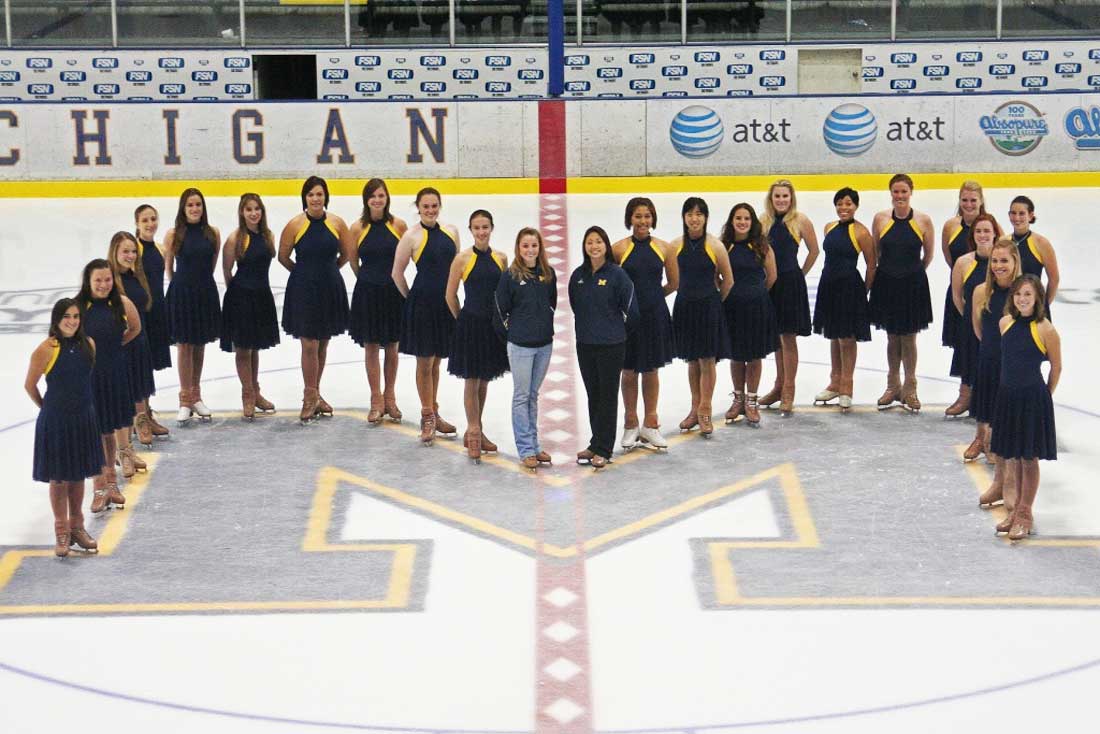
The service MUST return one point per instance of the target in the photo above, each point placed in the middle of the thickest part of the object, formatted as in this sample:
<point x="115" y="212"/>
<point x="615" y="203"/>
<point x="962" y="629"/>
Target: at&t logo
<point x="850" y="130"/>
<point x="696" y="132"/>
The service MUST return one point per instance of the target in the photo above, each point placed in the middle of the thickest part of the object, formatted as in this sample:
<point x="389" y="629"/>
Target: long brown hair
<point x="1040" y="310"/>
<point x="242" y="225"/>
<point x="137" y="270"/>
<point x="368" y="191"/>
<point x="758" y="241"/>
<point x="518" y="269"/>
<point x="983" y="217"/>
<point x="180" y="227"/>
<point x="84" y="297"/>
<point x="79" y="337"/>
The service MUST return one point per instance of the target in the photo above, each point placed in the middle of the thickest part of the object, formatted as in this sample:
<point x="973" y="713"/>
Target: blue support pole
<point x="555" y="12"/>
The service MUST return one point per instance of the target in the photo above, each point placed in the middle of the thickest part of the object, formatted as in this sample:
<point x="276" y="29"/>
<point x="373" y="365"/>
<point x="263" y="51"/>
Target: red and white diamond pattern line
<point x="557" y="408"/>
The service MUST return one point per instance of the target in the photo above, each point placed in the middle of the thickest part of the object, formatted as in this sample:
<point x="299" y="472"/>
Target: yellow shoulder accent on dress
<point x="954" y="234"/>
<point x="887" y="228"/>
<point x="469" y="266"/>
<point x="1034" y="249"/>
<point x="499" y="260"/>
<point x="710" y="253"/>
<point x="656" y="248"/>
<point x="55" y="352"/>
<point x="393" y="229"/>
<point x="246" y="243"/>
<point x="421" y="246"/>
<point x="971" y="269"/>
<point x="447" y="232"/>
<point x="1010" y="325"/>
<point x="1036" y="338"/>
<point x="680" y="248"/>
<point x="363" y="235"/>
<point x="629" y="249"/>
<point x="141" y="248"/>
<point x="301" y="231"/>
<point x="332" y="228"/>
<point x="831" y="226"/>
<point x="915" y="228"/>
<point x="854" y="239"/>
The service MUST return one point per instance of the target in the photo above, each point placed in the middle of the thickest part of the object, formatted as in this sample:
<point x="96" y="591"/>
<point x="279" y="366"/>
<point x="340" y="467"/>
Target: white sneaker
<point x="201" y="410"/>
<point x="630" y="437"/>
<point x="826" y="395"/>
<point x="653" y="437"/>
<point x="845" y="402"/>
<point x="183" y="416"/>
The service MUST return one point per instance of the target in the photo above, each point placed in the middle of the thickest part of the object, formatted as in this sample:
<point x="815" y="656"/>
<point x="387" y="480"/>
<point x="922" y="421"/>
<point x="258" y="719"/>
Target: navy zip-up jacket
<point x="525" y="308"/>
<point x="603" y="303"/>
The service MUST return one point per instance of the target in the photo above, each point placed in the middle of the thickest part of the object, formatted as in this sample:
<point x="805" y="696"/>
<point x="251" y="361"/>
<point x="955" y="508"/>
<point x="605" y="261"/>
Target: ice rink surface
<point x="271" y="577"/>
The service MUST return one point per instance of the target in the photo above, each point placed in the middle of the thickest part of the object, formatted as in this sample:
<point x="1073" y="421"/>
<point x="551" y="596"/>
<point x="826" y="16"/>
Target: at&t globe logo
<point x="850" y="130"/>
<point x="696" y="132"/>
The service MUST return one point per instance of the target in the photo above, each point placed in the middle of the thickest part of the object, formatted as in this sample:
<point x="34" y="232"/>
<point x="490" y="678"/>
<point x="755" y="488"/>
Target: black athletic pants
<point x="601" y="367"/>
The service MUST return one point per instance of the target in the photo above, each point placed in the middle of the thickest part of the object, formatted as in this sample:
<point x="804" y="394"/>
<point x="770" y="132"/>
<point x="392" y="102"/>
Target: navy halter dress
<point x="478" y="353"/>
<point x="964" y="362"/>
<point x="840" y="310"/>
<point x="315" y="304"/>
<point x="987" y="376"/>
<point x="1031" y="259"/>
<point x="958" y="245"/>
<point x="900" y="302"/>
<point x="1023" y="424"/>
<point x="138" y="356"/>
<point x="111" y="392"/>
<point x="427" y="326"/>
<point x="698" y="324"/>
<point x="749" y="311"/>
<point x="651" y="345"/>
<point x="376" y="304"/>
<point x="155" y="322"/>
<point x="249" y="319"/>
<point x="194" y="313"/>
<point x="67" y="446"/>
<point x="789" y="295"/>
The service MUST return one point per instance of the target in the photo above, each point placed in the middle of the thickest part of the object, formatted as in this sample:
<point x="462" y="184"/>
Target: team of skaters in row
<point x="740" y="296"/>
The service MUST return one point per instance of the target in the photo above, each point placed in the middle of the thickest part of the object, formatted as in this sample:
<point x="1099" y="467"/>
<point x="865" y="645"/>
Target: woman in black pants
<point x="601" y="296"/>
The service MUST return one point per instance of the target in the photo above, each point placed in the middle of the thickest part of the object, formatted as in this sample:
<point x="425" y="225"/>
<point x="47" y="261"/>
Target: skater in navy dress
<point x="427" y="325"/>
<point x="130" y="278"/>
<point x="67" y="447"/>
<point x="749" y="310"/>
<point x="194" y="313"/>
<point x="111" y="321"/>
<point x="698" y="323"/>
<point x="376" y="304"/>
<point x="900" y="303"/>
<point x="989" y="301"/>
<point x="840" y="310"/>
<point x="651" y="265"/>
<point x="478" y="356"/>
<point x="315" y="303"/>
<point x="787" y="228"/>
<point x="956" y="243"/>
<point x="1036" y="253"/>
<point x="249" y="320"/>
<point x="146" y="220"/>
<point x="1023" y="424"/>
<point x="969" y="271"/>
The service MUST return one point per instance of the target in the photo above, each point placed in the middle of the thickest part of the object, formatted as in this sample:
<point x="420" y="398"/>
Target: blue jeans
<point x="529" y="366"/>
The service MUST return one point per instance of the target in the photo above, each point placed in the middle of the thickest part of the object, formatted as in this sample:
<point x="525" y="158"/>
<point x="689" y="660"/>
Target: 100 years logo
<point x="1015" y="128"/>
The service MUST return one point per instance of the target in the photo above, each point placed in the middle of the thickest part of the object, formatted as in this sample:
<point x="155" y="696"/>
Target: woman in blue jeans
<point x="525" y="301"/>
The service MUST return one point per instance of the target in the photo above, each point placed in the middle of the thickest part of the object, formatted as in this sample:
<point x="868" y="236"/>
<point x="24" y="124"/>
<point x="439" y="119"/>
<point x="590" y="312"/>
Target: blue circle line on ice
<point x="850" y="130"/>
<point x="696" y="131"/>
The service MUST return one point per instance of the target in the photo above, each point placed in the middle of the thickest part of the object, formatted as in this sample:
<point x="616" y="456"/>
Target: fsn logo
<point x="72" y="77"/>
<point x="936" y="70"/>
<point x="464" y="75"/>
<point x="609" y="72"/>
<point x="707" y="82"/>
<point x="433" y="87"/>
<point x="498" y="62"/>
<point x="1094" y="54"/>
<point x="1015" y="128"/>
<point x="105" y="62"/>
<point x="577" y="60"/>
<point x="402" y="97"/>
<point x="675" y="93"/>
<point x="1002" y="69"/>
<point x="334" y="74"/>
<point x="872" y="72"/>
<point x="576" y="87"/>
<point x="498" y="87"/>
<point x="238" y="88"/>
<point x="1094" y="81"/>
<point x="968" y="82"/>
<point x="341" y="97"/>
<point x="204" y="76"/>
<point x="105" y="90"/>
<point x="773" y="54"/>
<point x="172" y="89"/>
<point x="368" y="62"/>
<point x="171" y="62"/>
<point x="707" y="57"/>
<point x="529" y="75"/>
<point x="903" y="85"/>
<point x="674" y="72"/>
<point x="642" y="85"/>
<point x="368" y="87"/>
<point x="433" y="62"/>
<point x="400" y="74"/>
<point x="139" y="76"/>
<point x="39" y="62"/>
<point x="739" y="93"/>
<point x="642" y="59"/>
<point x="850" y="130"/>
<point x="739" y="69"/>
<point x="39" y="90"/>
<point x="772" y="82"/>
<point x="1034" y="82"/>
<point x="1067" y="69"/>
<point x="1034" y="55"/>
<point x="696" y="132"/>
<point x="968" y="57"/>
<point x="8" y="77"/>
<point x="237" y="62"/>
<point x="904" y="58"/>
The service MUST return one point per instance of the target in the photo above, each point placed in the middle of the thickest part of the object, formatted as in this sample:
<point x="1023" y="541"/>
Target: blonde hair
<point x="790" y="218"/>
<point x="518" y="269"/>
<point x="976" y="188"/>
<point x="138" y="270"/>
<point x="1004" y="243"/>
